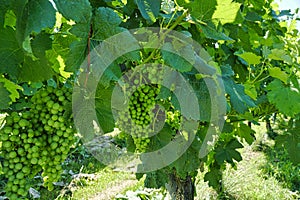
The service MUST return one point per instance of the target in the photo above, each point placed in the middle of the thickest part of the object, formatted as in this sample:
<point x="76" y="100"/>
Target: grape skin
<point x="32" y="141"/>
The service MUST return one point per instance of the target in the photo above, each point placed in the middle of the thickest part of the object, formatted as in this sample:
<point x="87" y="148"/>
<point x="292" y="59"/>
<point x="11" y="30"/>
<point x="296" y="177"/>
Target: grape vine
<point x="245" y="43"/>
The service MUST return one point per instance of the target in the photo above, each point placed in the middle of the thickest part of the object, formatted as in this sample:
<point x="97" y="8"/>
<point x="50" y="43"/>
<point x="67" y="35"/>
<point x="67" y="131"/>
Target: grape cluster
<point x="38" y="139"/>
<point x="140" y="118"/>
<point x="174" y="119"/>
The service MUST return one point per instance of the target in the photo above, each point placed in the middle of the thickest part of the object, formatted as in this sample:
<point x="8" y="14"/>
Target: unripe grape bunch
<point x="143" y="114"/>
<point x="37" y="140"/>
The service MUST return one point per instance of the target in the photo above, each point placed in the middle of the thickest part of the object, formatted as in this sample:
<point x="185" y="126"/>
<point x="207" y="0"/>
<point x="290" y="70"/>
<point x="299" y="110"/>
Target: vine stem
<point x="162" y="38"/>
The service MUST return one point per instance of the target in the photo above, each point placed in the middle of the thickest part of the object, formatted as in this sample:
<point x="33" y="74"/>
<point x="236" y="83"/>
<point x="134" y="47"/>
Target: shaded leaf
<point x="244" y="131"/>
<point x="35" y="70"/>
<point x="40" y="14"/>
<point x="11" y="53"/>
<point x="212" y="33"/>
<point x="4" y="97"/>
<point x="103" y="108"/>
<point x="177" y="58"/>
<point x="229" y="153"/>
<point x="106" y="23"/>
<point x="149" y="9"/>
<point x="238" y="99"/>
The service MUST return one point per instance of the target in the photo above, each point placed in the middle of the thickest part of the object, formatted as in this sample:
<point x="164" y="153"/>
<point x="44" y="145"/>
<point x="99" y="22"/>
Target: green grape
<point x="32" y="141"/>
<point x="139" y="119"/>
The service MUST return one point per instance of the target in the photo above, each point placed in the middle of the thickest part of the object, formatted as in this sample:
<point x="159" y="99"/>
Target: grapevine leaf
<point x="204" y="99"/>
<point x="214" y="176"/>
<point x="201" y="9"/>
<point x="229" y="152"/>
<point x="189" y="161"/>
<point x="253" y="16"/>
<point x="4" y="6"/>
<point x="156" y="179"/>
<point x="162" y="138"/>
<point x="176" y="58"/>
<point x="185" y="98"/>
<point x="103" y="108"/>
<point x="279" y="95"/>
<point x="210" y="32"/>
<point x="35" y="70"/>
<point x="12" y="88"/>
<point x="238" y="99"/>
<point x="227" y="71"/>
<point x="106" y="23"/>
<point x="280" y="54"/>
<point x="76" y="55"/>
<point x="277" y="73"/>
<point x="40" y="44"/>
<point x="245" y="132"/>
<point x="11" y="53"/>
<point x="41" y="10"/>
<point x="226" y="11"/>
<point x="4" y="97"/>
<point x="149" y="9"/>
<point x="250" y="90"/>
<point x="82" y="116"/>
<point x="249" y="57"/>
<point x="79" y="11"/>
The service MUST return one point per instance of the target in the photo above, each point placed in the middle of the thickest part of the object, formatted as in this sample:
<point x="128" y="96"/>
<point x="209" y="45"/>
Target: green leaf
<point x="149" y="9"/>
<point x="4" y="97"/>
<point x="249" y="57"/>
<point x="40" y="44"/>
<point x="277" y="73"/>
<point x="250" y="90"/>
<point x="35" y="70"/>
<point x="156" y="179"/>
<point x="189" y="161"/>
<point x="79" y="11"/>
<point x="280" y="54"/>
<point x="106" y="23"/>
<point x="214" y="176"/>
<point x="229" y="152"/>
<point x="4" y="6"/>
<point x="76" y="55"/>
<point x="201" y="9"/>
<point x="210" y="32"/>
<point x="285" y="99"/>
<point x="204" y="99"/>
<point x="40" y="14"/>
<point x="12" y="88"/>
<point x="104" y="109"/>
<point x="245" y="132"/>
<point x="177" y="58"/>
<point x="11" y="54"/>
<point x="238" y="99"/>
<point x="226" y="11"/>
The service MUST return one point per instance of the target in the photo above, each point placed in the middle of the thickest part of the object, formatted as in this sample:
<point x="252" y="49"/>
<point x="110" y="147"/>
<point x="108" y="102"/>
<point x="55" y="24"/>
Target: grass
<point x="251" y="180"/>
<point x="106" y="180"/>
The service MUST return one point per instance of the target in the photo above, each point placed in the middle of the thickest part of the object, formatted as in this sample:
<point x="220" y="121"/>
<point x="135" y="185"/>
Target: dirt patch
<point x="113" y="190"/>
